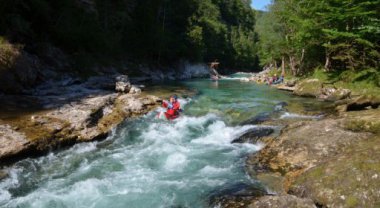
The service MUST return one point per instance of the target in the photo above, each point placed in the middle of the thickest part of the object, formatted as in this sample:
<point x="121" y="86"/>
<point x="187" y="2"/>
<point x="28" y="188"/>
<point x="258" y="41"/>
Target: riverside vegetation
<point x="59" y="61"/>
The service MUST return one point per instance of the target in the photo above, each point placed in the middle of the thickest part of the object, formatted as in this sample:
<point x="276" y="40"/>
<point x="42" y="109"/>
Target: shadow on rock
<point x="236" y="195"/>
<point x="253" y="135"/>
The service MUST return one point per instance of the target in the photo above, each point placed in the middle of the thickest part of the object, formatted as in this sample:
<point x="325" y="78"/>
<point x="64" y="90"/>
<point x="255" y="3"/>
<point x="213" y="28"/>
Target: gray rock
<point x="122" y="84"/>
<point x="333" y="94"/>
<point x="11" y="142"/>
<point x="135" y="90"/>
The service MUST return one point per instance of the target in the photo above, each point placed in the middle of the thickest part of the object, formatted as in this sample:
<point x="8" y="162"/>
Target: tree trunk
<point x="301" y="62"/>
<point x="292" y="64"/>
<point x="283" y="66"/>
<point x="327" y="63"/>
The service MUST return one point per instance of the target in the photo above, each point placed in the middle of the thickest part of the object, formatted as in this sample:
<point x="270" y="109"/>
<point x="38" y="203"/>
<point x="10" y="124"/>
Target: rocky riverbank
<point x="328" y="162"/>
<point x="66" y="112"/>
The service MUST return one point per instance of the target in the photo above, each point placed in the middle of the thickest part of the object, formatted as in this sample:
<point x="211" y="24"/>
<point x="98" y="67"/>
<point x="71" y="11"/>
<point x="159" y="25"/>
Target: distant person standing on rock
<point x="213" y="70"/>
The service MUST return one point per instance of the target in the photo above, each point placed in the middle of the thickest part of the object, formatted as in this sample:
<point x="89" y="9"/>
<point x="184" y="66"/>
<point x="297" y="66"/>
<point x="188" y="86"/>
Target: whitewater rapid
<point x="144" y="163"/>
<point x="149" y="162"/>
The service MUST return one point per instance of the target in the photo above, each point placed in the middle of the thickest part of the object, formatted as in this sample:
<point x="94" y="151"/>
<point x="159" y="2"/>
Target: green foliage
<point x="158" y="32"/>
<point x="337" y="34"/>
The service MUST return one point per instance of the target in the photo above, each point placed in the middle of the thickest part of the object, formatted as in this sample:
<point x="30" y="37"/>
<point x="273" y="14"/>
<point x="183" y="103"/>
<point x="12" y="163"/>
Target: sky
<point x="260" y="4"/>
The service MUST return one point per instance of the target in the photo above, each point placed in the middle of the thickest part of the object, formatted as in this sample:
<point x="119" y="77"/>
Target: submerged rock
<point x="258" y="119"/>
<point x="253" y="135"/>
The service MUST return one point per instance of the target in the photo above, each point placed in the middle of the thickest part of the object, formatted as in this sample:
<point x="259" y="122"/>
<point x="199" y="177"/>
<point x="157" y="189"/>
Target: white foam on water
<point x="170" y="162"/>
<point x="287" y="115"/>
<point x="175" y="162"/>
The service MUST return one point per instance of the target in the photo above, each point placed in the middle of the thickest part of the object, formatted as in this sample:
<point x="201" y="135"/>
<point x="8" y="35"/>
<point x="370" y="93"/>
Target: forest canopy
<point x="157" y="32"/>
<point x="337" y="35"/>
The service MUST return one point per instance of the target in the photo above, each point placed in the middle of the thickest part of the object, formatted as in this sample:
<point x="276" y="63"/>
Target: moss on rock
<point x="351" y="179"/>
<point x="308" y="88"/>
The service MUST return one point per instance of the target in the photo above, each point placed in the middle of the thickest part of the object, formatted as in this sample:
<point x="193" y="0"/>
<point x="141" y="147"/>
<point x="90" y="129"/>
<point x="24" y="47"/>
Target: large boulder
<point x="351" y="179"/>
<point x="304" y="145"/>
<point x="308" y="88"/>
<point x="122" y="84"/>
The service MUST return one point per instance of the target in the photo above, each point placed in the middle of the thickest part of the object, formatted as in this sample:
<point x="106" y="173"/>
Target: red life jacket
<point x="172" y="111"/>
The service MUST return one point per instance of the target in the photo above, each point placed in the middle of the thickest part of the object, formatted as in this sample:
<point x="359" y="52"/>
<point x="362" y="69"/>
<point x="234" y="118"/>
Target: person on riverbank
<point x="173" y="107"/>
<point x="214" y="75"/>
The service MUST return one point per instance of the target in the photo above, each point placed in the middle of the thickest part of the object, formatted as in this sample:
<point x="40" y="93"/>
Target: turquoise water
<point x="148" y="162"/>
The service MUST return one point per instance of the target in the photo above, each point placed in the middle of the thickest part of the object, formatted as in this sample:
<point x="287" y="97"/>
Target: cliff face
<point x="21" y="70"/>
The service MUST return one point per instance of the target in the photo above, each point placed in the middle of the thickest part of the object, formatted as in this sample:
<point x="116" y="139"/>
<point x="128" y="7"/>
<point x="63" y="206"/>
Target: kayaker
<point x="173" y="107"/>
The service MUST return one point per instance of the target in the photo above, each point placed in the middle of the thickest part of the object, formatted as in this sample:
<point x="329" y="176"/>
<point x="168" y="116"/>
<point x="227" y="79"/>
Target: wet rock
<point x="351" y="179"/>
<point x="122" y="84"/>
<point x="253" y="135"/>
<point x="280" y="106"/>
<point x="308" y="88"/>
<point x="260" y="118"/>
<point x="282" y="201"/>
<point x="236" y="195"/>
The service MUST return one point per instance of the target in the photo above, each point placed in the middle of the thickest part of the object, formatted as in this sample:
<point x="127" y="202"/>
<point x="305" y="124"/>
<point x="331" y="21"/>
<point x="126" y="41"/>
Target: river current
<point x="147" y="162"/>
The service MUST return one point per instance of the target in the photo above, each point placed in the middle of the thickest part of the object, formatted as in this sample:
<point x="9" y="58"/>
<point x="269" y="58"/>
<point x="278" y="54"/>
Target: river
<point x="147" y="162"/>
